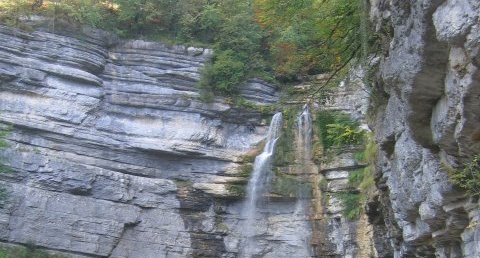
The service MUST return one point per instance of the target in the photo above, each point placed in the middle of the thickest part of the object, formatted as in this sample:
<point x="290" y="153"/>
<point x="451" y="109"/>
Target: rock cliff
<point x="428" y="117"/>
<point x="111" y="149"/>
<point x="114" y="154"/>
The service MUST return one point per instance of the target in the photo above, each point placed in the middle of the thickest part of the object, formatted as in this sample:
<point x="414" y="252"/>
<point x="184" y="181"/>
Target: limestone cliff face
<point x="113" y="154"/>
<point x="431" y="117"/>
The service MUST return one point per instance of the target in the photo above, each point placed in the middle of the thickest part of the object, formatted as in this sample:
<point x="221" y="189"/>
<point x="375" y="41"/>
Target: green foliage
<point x="308" y="36"/>
<point x="467" y="178"/>
<point x="364" y="178"/>
<point x="355" y="177"/>
<point x="351" y="204"/>
<point x="225" y="73"/>
<point x="359" y="155"/>
<point x="11" y="12"/>
<point x="344" y="134"/>
<point x="237" y="49"/>
<point x="252" y="38"/>
<point x="30" y="251"/>
<point x="337" y="129"/>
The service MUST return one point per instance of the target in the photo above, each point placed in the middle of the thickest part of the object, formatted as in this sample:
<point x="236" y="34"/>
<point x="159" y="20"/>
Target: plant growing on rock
<point x="337" y="130"/>
<point x="4" y="131"/>
<point x="467" y="178"/>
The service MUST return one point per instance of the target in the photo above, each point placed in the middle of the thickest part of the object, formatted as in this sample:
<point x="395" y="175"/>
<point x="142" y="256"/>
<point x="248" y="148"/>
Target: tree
<point x="308" y="36"/>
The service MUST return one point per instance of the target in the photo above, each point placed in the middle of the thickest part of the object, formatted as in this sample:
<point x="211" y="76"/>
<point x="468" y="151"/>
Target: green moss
<point x="359" y="155"/>
<point x="236" y="190"/>
<point x="222" y="227"/>
<point x="182" y="183"/>
<point x="284" y="148"/>
<point x="263" y="109"/>
<point x="245" y="170"/>
<point x="323" y="184"/>
<point x="30" y="251"/>
<point x="290" y="186"/>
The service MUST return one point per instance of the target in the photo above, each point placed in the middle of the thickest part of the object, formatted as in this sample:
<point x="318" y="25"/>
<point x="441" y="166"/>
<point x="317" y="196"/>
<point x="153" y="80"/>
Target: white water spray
<point x="256" y="184"/>
<point x="304" y="136"/>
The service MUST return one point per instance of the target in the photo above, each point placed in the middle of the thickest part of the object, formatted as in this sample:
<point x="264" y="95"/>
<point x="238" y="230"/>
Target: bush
<point x="467" y="178"/>
<point x="344" y="134"/>
<point x="337" y="129"/>
<point x="224" y="74"/>
<point x="351" y="204"/>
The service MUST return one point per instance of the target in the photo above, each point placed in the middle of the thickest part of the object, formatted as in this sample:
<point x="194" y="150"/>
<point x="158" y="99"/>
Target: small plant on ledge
<point x="467" y="178"/>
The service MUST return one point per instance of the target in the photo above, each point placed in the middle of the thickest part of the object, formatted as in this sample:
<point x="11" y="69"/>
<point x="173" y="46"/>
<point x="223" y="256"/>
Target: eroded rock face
<point x="109" y="142"/>
<point x="431" y="119"/>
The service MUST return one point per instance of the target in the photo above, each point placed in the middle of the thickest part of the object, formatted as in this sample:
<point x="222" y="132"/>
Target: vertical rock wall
<point x="431" y="119"/>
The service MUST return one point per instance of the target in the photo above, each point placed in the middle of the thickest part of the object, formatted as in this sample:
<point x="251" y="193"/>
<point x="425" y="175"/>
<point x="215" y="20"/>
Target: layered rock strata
<point x="112" y="151"/>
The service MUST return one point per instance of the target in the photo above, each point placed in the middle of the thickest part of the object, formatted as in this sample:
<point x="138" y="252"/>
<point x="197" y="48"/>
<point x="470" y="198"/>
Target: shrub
<point x="224" y="74"/>
<point x="337" y="129"/>
<point x="467" y="178"/>
<point x="351" y="204"/>
<point x="344" y="134"/>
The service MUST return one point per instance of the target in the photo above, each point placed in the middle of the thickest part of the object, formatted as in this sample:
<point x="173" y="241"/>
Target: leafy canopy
<point x="281" y="39"/>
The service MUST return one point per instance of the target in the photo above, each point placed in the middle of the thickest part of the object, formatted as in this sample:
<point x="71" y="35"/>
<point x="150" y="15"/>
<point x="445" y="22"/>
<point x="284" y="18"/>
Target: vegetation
<point x="467" y="178"/>
<point x="284" y="149"/>
<point x="4" y="131"/>
<point x="290" y="186"/>
<point x="236" y="190"/>
<point x="351" y="204"/>
<point x="286" y="40"/>
<point x="30" y="251"/>
<point x="310" y="37"/>
<point x="337" y="130"/>
<point x="361" y="179"/>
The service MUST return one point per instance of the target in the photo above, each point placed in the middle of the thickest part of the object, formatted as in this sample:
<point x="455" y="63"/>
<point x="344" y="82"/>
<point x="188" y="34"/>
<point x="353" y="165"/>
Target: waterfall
<point x="257" y="182"/>
<point x="304" y="136"/>
<point x="305" y="166"/>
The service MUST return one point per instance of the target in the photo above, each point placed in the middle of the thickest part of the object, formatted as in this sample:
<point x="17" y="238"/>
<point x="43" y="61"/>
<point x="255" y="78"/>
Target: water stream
<point x="305" y="167"/>
<point x="257" y="183"/>
<point x="260" y="180"/>
<point x="304" y="137"/>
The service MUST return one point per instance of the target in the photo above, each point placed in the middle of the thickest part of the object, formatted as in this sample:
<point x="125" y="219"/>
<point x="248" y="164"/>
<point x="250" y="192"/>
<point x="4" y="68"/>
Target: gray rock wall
<point x="431" y="119"/>
<point x="113" y="153"/>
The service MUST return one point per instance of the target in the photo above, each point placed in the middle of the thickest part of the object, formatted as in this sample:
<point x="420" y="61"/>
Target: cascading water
<point x="305" y="166"/>
<point x="256" y="184"/>
<point x="304" y="136"/>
